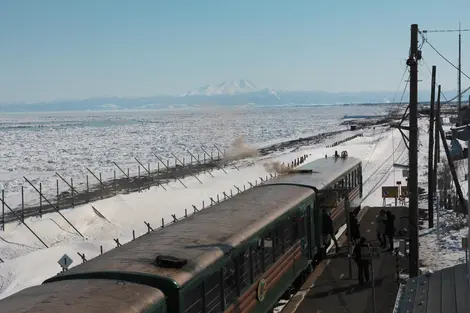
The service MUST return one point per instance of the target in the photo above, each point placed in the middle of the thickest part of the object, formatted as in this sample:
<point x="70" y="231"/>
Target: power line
<point x="442" y="56"/>
<point x="424" y="39"/>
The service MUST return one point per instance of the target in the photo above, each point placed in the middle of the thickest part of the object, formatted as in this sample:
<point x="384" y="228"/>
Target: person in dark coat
<point x="328" y="229"/>
<point x="380" y="228"/>
<point x="354" y="224"/>
<point x="390" y="228"/>
<point x="362" y="264"/>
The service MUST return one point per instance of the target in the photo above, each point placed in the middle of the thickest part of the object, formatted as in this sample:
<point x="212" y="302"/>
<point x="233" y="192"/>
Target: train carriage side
<point x="333" y="179"/>
<point x="240" y="255"/>
<point x="86" y="295"/>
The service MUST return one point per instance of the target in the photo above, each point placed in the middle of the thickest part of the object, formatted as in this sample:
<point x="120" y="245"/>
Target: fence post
<point x="71" y="190"/>
<point x="40" y="199"/>
<point x="128" y="177"/>
<point x="87" y="186"/>
<point x="22" y="203"/>
<point x="57" y="186"/>
<point x="3" y="210"/>
<point x="101" y="185"/>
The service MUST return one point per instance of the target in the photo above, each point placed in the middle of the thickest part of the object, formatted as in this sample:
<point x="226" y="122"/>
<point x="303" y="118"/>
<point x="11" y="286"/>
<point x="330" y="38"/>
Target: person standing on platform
<point x="328" y="229"/>
<point x="354" y="224"/>
<point x="380" y="228"/>
<point x="390" y="228"/>
<point x="362" y="264"/>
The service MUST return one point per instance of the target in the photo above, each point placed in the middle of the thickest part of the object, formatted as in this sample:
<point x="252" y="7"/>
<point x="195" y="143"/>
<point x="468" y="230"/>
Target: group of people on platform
<point x="385" y="228"/>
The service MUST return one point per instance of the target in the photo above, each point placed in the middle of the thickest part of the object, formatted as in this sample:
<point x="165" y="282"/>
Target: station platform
<point x="329" y="289"/>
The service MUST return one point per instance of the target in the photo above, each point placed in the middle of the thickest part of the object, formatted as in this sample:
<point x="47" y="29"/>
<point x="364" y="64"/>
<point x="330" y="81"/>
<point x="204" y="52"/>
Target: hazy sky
<point x="63" y="49"/>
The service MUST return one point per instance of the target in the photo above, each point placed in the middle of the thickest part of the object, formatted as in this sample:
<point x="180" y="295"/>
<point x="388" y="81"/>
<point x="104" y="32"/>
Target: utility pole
<point x="460" y="76"/>
<point x="459" y="68"/>
<point x="412" y="62"/>
<point x="436" y="141"/>
<point x="431" y="150"/>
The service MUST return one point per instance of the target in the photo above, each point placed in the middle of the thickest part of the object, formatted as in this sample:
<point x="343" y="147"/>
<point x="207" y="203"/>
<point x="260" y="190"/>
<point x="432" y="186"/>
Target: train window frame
<point x="233" y="287"/>
<point x="216" y="301"/>
<point x="244" y="284"/>
<point x="268" y="259"/>
<point x="188" y="308"/>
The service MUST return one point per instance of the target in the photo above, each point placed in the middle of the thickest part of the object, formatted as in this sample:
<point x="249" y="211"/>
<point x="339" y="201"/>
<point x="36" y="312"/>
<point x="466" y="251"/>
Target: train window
<point x="353" y="174"/>
<point x="268" y="251"/>
<point x="230" y="283"/>
<point x="257" y="259"/>
<point x="278" y="241"/>
<point x="212" y="290"/>
<point x="288" y="234"/>
<point x="296" y="229"/>
<point x="244" y="269"/>
<point x="193" y="300"/>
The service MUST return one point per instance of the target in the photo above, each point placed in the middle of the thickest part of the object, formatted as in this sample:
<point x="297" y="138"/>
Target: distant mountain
<point x="230" y="87"/>
<point x="229" y="93"/>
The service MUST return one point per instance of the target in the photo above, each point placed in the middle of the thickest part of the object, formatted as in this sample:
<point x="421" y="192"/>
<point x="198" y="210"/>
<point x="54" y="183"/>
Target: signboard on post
<point x="390" y="192"/>
<point x="65" y="261"/>
<point x="404" y="192"/>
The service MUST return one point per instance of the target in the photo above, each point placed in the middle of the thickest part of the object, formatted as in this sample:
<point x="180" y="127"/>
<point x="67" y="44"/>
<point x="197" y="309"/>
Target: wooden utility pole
<point x="436" y="140"/>
<point x="413" y="153"/>
<point x="431" y="150"/>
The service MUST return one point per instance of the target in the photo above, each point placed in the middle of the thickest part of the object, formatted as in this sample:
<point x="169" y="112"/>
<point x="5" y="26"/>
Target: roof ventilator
<point x="168" y="261"/>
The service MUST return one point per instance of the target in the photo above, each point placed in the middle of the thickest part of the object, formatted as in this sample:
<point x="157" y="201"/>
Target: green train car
<point x="86" y="296"/>
<point x="240" y="255"/>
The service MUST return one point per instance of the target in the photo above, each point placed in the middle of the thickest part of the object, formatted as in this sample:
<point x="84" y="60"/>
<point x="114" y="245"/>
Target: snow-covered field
<point x="29" y="263"/>
<point x="438" y="253"/>
<point x="40" y="144"/>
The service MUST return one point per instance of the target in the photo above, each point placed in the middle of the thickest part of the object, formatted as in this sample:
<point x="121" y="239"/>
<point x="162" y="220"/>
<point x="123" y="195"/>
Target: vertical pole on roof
<point x="413" y="153"/>
<point x="431" y="151"/>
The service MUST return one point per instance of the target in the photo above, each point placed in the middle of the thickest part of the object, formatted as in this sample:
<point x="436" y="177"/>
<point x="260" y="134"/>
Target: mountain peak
<point x="229" y="87"/>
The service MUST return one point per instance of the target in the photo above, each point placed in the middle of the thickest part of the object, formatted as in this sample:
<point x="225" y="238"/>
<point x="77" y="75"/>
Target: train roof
<point x="199" y="239"/>
<point x="78" y="296"/>
<point x="323" y="173"/>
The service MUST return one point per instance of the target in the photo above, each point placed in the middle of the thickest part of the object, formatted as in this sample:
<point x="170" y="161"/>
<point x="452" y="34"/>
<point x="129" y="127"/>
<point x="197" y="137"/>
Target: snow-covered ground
<point x="28" y="263"/>
<point x="436" y="254"/>
<point x="38" y="145"/>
